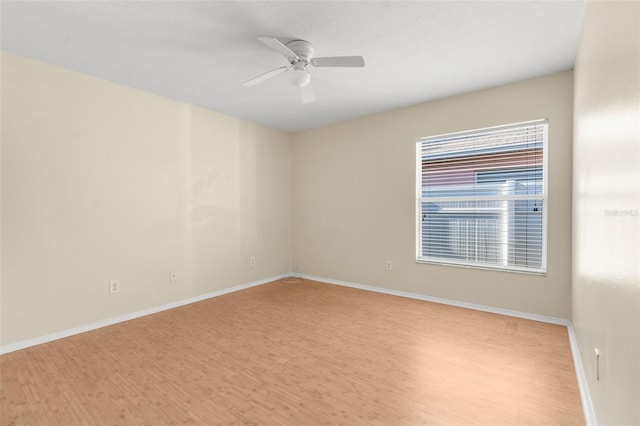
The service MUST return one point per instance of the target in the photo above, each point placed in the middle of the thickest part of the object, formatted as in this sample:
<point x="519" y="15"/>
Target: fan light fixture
<point x="300" y="77"/>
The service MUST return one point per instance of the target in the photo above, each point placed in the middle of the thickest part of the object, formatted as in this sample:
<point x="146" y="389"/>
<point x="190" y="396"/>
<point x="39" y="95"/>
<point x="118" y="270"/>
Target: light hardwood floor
<point x="301" y="353"/>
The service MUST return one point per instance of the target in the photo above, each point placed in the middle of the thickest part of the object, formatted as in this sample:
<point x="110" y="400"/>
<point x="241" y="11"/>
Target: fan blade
<point x="339" y="61"/>
<point x="307" y="94"/>
<point x="278" y="46"/>
<point x="266" y="76"/>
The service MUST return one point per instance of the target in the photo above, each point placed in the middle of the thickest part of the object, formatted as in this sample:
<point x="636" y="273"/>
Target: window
<point x="482" y="198"/>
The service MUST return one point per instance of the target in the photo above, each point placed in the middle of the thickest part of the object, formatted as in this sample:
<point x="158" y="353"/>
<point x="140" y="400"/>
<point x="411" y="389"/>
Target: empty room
<point x="320" y="212"/>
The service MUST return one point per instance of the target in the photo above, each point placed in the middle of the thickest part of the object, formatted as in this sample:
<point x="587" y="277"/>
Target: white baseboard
<point x="491" y="309"/>
<point x="126" y="317"/>
<point x="587" y="406"/>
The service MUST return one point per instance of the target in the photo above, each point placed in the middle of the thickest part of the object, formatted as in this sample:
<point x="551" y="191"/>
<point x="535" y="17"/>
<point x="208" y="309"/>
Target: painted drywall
<point x="102" y="182"/>
<point x="606" y="205"/>
<point x="354" y="198"/>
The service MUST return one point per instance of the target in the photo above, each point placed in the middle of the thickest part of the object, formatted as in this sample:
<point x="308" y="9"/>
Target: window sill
<point x="481" y="266"/>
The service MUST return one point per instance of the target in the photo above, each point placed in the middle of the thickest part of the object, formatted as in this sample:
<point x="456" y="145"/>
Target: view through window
<point x="482" y="197"/>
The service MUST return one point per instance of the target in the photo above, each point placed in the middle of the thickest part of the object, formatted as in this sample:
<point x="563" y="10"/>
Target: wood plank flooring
<point x="299" y="353"/>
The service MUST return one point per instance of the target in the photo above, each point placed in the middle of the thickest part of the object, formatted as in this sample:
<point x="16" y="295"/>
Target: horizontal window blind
<point x="482" y="197"/>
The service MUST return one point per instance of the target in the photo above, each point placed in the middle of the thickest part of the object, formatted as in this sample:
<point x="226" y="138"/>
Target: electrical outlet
<point x="388" y="265"/>
<point x="173" y="276"/>
<point x="252" y="261"/>
<point x="114" y="286"/>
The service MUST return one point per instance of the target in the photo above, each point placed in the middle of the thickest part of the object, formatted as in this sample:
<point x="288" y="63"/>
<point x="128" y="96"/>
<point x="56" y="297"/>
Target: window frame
<point x="544" y="198"/>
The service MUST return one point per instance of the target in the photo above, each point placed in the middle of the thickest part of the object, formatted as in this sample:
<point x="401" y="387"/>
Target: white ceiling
<point x="200" y="52"/>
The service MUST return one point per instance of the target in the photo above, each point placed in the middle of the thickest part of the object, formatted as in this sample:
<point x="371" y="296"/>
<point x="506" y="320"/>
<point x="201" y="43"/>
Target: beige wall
<point x="101" y="181"/>
<point x="606" y="268"/>
<point x="354" y="198"/>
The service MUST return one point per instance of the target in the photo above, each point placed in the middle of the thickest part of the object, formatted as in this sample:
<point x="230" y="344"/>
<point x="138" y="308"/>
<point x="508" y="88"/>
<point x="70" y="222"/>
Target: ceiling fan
<point x="299" y="53"/>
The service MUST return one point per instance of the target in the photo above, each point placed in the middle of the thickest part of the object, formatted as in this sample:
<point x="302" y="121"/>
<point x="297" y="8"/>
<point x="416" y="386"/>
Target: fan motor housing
<point x="302" y="48"/>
